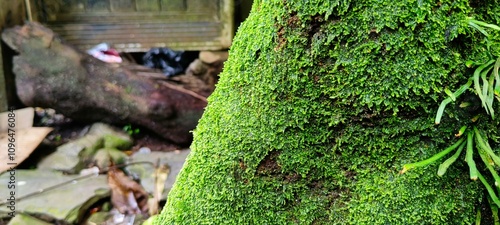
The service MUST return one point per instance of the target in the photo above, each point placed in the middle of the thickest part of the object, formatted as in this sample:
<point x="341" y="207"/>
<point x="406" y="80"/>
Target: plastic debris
<point x="144" y="150"/>
<point x="169" y="61"/>
<point x="105" y="53"/>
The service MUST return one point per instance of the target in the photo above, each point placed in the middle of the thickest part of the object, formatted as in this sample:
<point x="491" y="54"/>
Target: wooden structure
<point x="128" y="25"/>
<point x="53" y="74"/>
<point x="12" y="12"/>
<point x="139" y="25"/>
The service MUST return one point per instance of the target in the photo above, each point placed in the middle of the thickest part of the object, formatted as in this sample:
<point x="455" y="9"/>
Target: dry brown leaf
<point x="22" y="119"/>
<point x="23" y="143"/>
<point x="127" y="196"/>
<point x="161" y="175"/>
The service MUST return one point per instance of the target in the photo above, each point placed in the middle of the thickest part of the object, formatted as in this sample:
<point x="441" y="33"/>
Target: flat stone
<point x="175" y="160"/>
<point x="67" y="157"/>
<point x="104" y="156"/>
<point x="98" y="218"/>
<point x="119" y="139"/>
<point x="65" y="202"/>
<point x="24" y="219"/>
<point x="197" y="67"/>
<point x="70" y="156"/>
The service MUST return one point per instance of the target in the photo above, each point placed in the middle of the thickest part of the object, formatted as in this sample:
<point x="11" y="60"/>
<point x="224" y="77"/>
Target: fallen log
<point x="52" y="74"/>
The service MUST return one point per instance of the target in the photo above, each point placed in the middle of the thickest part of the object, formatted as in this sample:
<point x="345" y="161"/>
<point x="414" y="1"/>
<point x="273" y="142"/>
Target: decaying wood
<point x="52" y="74"/>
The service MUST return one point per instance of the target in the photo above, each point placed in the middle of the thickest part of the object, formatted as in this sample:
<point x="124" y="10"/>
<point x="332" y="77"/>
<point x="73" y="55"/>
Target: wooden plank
<point x="150" y="17"/>
<point x="122" y="5"/>
<point x="138" y="25"/>
<point x="226" y="12"/>
<point x="3" y="87"/>
<point x="205" y="6"/>
<point x="11" y="13"/>
<point x="94" y="6"/>
<point x="74" y="6"/>
<point x="173" y="5"/>
<point x="147" y="5"/>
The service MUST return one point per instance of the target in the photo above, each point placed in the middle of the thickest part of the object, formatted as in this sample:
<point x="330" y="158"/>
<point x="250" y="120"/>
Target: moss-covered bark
<point x="320" y="105"/>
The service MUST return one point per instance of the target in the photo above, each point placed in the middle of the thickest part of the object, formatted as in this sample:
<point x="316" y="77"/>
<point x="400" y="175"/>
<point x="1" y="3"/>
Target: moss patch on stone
<point x="319" y="106"/>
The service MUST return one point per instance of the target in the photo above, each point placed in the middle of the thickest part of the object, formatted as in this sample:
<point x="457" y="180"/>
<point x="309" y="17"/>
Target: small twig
<point x="129" y="57"/>
<point x="28" y="9"/>
<point x="51" y="188"/>
<point x="72" y="181"/>
<point x="186" y="91"/>
<point x="153" y="75"/>
<point x="128" y="164"/>
<point x="162" y="77"/>
<point x="155" y="193"/>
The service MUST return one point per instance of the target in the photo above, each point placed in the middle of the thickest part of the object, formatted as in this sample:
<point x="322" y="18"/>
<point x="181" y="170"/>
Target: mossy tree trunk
<point x="321" y="104"/>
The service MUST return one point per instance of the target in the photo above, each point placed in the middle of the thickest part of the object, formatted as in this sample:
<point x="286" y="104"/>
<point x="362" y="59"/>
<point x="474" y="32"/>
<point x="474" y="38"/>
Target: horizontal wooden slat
<point x="130" y="26"/>
<point x="106" y="17"/>
<point x="148" y="34"/>
<point x="138" y="25"/>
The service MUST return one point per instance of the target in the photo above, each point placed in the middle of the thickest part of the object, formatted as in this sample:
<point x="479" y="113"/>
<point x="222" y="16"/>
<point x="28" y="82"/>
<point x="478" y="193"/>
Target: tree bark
<point x="52" y="74"/>
<point x="320" y="105"/>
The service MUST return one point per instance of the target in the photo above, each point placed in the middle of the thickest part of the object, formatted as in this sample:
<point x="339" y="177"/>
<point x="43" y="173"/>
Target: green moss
<point x="118" y="141"/>
<point x="319" y="106"/>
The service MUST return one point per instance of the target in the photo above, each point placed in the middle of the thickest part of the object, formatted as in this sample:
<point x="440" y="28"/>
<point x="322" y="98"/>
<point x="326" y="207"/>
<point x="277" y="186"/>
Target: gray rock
<point x="71" y="156"/>
<point x="210" y="57"/>
<point x="66" y="202"/>
<point x="67" y="157"/>
<point x="24" y="219"/>
<point x="175" y="160"/>
<point x="104" y="156"/>
<point x="197" y="68"/>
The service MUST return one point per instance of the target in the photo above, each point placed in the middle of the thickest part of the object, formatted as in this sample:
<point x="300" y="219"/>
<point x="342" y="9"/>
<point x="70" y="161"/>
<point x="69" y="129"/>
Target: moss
<point x="118" y="141"/>
<point x="319" y="106"/>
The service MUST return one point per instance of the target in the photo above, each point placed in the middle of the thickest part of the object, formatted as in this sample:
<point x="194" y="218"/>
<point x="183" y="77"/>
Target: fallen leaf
<point x="161" y="175"/>
<point x="20" y="118"/>
<point x="20" y="144"/>
<point x="127" y="196"/>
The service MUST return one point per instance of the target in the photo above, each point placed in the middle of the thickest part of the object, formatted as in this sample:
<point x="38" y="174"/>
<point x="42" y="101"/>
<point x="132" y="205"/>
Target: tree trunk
<point x="320" y="105"/>
<point x="52" y="74"/>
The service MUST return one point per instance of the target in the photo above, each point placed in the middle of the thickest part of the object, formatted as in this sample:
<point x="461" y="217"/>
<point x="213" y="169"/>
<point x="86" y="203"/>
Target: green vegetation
<point x="130" y="130"/>
<point x="322" y="102"/>
<point x="487" y="90"/>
